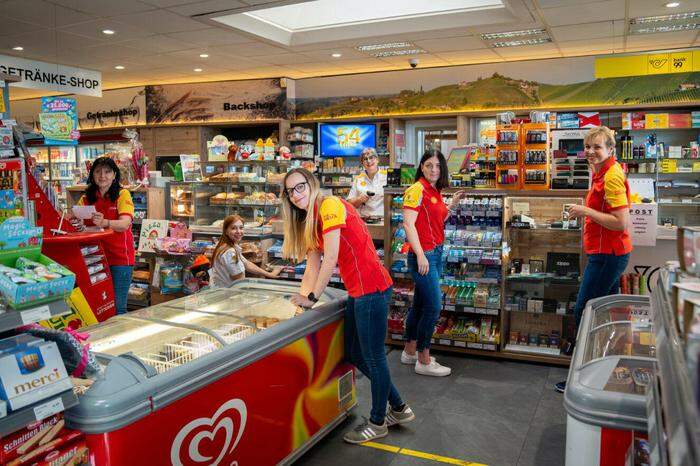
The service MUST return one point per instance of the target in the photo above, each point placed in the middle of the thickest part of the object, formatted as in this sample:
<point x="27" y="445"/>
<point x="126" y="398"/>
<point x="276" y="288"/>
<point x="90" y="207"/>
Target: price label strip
<point x="48" y="409"/>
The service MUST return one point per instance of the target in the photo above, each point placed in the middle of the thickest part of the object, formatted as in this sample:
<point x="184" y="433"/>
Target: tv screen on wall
<point x="346" y="140"/>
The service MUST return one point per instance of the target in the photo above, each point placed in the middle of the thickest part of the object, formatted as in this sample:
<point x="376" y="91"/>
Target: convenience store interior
<point x="205" y="105"/>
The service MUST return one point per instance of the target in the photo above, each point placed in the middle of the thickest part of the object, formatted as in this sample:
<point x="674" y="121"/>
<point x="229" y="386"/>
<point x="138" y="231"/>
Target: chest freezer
<point x="611" y="370"/>
<point x="227" y="376"/>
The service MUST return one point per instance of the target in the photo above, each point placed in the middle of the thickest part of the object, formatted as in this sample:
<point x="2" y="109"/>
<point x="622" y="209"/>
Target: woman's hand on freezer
<point x="302" y="301"/>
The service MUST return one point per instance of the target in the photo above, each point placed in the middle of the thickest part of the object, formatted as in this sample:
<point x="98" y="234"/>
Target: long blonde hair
<point x="300" y="231"/>
<point x="225" y="243"/>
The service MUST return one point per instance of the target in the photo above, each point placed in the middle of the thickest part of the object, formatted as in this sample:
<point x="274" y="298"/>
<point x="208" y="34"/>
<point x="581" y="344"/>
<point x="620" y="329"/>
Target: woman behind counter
<point x="228" y="263"/>
<point x="367" y="191"/>
<point x="115" y="210"/>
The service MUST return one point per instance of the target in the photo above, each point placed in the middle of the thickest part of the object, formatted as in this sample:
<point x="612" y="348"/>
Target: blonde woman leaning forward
<point x="327" y="231"/>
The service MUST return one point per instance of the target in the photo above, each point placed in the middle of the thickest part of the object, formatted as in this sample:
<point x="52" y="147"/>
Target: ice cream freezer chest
<point x="235" y="376"/>
<point x="611" y="371"/>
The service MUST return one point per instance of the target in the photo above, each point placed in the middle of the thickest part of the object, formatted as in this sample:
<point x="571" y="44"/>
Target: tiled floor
<point x="488" y="411"/>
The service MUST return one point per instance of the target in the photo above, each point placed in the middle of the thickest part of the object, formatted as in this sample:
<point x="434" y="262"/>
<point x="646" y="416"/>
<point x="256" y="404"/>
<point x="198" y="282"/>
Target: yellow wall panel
<point x="681" y="62"/>
<point x="613" y="67"/>
<point x="659" y="63"/>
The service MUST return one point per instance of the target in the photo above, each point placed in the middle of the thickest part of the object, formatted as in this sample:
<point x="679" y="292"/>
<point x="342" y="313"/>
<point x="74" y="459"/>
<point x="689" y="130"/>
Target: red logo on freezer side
<point x="207" y="441"/>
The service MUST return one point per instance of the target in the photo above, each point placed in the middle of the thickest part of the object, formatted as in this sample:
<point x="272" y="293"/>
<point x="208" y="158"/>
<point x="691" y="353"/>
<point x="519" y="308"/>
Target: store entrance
<point x="425" y="135"/>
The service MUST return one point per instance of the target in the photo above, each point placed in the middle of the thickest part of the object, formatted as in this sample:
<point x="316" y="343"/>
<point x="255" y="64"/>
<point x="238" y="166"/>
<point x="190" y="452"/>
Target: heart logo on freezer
<point x="206" y="432"/>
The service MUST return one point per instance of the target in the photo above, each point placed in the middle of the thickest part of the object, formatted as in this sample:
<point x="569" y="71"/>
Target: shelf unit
<point x="11" y="319"/>
<point x="673" y="412"/>
<point x="21" y="418"/>
<point x="538" y="303"/>
<point x="508" y="157"/>
<point x="535" y="166"/>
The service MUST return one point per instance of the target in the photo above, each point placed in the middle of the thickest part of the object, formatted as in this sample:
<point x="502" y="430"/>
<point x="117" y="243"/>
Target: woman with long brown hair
<point x="228" y="263"/>
<point x="315" y="228"/>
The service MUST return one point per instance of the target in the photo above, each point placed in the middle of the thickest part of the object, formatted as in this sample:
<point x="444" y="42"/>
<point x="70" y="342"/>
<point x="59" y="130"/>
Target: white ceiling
<point x="159" y="42"/>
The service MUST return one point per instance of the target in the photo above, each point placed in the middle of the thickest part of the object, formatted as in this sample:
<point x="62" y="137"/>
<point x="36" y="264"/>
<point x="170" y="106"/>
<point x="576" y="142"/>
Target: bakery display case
<point x="612" y="370"/>
<point x="243" y="355"/>
<point x="249" y="189"/>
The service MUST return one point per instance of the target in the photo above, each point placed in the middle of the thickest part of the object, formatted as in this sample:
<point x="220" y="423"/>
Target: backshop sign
<point x="53" y="77"/>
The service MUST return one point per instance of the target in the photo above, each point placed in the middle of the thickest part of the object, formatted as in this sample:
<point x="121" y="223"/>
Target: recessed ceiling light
<point x="203" y="55"/>
<point x="516" y="43"/>
<point x="108" y="32"/>
<point x="398" y="53"/>
<point x="509" y="34"/>
<point x="119" y="67"/>
<point x="18" y="48"/>
<point x="197" y="70"/>
<point x="336" y="55"/>
<point x="388" y="45"/>
<point x="672" y="4"/>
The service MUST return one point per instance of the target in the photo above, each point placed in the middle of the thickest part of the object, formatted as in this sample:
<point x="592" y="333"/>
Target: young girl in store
<point x="327" y="230"/>
<point x="114" y="210"/>
<point x="228" y="263"/>
<point x="424" y="214"/>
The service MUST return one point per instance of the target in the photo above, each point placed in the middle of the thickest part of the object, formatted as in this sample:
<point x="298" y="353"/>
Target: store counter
<point x="226" y="376"/>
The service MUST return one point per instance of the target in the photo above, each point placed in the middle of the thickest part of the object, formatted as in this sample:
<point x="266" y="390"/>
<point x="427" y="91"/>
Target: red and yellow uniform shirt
<point x="609" y="192"/>
<point x="119" y="246"/>
<point x="358" y="262"/>
<point x="425" y="199"/>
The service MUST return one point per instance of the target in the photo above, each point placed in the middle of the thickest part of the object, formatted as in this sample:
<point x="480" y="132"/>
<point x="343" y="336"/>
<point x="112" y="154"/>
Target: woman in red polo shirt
<point x="115" y="210"/>
<point x="424" y="214"/>
<point x="327" y="230"/>
<point x="606" y="238"/>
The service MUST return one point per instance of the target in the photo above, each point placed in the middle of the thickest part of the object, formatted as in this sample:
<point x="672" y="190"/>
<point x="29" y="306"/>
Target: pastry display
<point x="620" y="380"/>
<point x="642" y="378"/>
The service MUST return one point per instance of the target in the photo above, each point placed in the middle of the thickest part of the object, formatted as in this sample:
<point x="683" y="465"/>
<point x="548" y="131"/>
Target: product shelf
<point x="12" y="319"/>
<point x="465" y="309"/>
<point x="21" y="418"/>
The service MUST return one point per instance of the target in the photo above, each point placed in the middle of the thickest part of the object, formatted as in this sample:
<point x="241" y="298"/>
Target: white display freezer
<point x="611" y="371"/>
<point x="226" y="376"/>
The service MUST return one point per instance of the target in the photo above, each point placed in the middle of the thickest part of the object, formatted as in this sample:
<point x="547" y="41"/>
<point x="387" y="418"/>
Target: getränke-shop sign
<point x="50" y="76"/>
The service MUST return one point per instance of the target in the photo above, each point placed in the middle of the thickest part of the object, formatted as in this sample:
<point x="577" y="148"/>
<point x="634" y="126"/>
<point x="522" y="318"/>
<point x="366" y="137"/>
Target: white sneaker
<point x="408" y="359"/>
<point x="433" y="369"/>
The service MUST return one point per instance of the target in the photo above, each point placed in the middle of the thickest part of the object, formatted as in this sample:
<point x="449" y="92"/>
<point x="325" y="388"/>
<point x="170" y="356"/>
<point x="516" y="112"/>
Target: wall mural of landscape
<point x="496" y="90"/>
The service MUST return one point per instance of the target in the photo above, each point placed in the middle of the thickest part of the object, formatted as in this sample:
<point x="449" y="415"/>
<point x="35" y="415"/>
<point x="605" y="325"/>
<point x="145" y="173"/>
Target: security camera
<point x="413" y="62"/>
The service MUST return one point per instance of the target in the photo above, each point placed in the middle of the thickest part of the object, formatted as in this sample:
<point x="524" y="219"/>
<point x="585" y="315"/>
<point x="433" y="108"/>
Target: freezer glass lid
<point x="621" y="312"/>
<point x="620" y="339"/>
<point x="262" y="307"/>
<point x="159" y="345"/>
<point x="228" y="328"/>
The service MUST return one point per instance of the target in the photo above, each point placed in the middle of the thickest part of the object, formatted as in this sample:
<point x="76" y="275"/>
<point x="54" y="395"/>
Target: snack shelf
<point x="12" y="319"/>
<point x="440" y="342"/>
<point x="542" y="350"/>
<point x="466" y="309"/>
<point x="546" y="280"/>
<point x="21" y="418"/>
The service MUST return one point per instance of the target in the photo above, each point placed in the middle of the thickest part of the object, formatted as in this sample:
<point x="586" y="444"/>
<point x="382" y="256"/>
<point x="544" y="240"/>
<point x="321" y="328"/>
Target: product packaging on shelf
<point x="25" y="441"/>
<point x="30" y="374"/>
<point x="28" y="278"/>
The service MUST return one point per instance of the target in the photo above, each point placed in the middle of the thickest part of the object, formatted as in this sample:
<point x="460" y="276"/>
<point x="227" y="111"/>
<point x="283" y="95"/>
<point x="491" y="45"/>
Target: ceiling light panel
<point x="389" y="45"/>
<point x="510" y="34"/>
<point x="665" y="23"/>
<point x="521" y="42"/>
<point x="397" y="53"/>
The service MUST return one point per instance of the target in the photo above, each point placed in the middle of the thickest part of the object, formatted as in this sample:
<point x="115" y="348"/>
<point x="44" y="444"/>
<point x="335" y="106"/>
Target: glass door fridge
<point x="88" y="153"/>
<point x="226" y="376"/>
<point x="612" y="368"/>
<point x="62" y="170"/>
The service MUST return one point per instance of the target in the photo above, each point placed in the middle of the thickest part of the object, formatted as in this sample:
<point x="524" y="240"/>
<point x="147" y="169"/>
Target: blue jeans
<point x="427" y="299"/>
<point x="601" y="278"/>
<point x="121" y="280"/>
<point x="365" y="331"/>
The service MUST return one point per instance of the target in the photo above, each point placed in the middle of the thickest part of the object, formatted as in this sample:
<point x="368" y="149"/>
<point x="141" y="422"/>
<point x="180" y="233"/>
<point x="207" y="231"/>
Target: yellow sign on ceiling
<point x="645" y="64"/>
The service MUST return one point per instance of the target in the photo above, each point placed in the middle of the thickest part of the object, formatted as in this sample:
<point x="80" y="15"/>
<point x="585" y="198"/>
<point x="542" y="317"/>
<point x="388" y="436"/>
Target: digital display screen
<point x="346" y="140"/>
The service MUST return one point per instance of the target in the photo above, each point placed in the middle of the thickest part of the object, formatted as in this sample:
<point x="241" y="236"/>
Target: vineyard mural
<point x="536" y="84"/>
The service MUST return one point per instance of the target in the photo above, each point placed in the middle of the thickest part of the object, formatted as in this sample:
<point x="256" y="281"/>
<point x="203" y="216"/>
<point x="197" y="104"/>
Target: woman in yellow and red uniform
<point x="329" y="231"/>
<point x="115" y="210"/>
<point x="606" y="238"/>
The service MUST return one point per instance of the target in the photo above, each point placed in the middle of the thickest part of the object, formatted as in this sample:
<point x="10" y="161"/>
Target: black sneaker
<point x="560" y="386"/>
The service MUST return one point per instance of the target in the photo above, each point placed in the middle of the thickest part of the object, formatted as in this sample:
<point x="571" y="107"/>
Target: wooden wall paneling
<point x="462" y="130"/>
<point x="394" y="124"/>
<point x="156" y="203"/>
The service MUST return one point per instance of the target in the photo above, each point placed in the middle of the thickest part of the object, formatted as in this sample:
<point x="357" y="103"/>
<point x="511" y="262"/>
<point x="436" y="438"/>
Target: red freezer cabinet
<point x="236" y="376"/>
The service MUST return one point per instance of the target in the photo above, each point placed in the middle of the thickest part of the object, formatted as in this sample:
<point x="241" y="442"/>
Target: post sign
<point x="50" y="76"/>
<point x="643" y="219"/>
